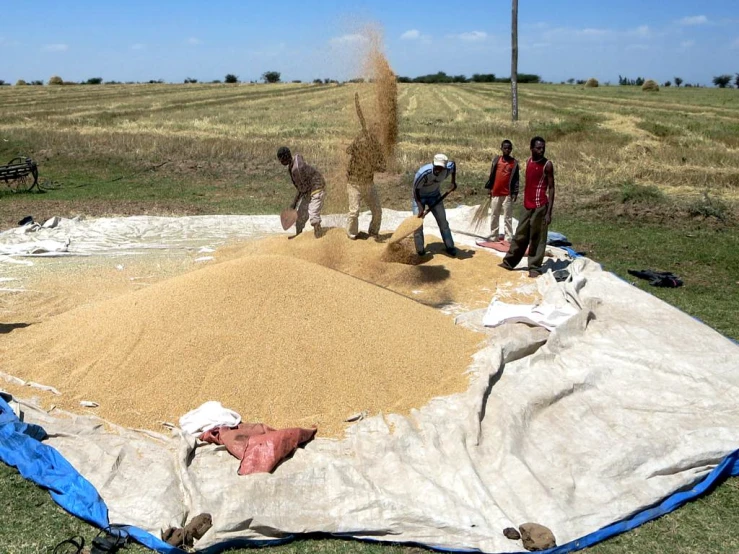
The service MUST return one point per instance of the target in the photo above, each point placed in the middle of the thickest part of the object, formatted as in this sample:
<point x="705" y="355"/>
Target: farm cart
<point x="17" y="174"/>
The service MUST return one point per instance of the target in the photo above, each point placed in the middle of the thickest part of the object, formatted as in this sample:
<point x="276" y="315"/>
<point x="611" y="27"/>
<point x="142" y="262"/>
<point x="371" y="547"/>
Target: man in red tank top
<point x="538" y="202"/>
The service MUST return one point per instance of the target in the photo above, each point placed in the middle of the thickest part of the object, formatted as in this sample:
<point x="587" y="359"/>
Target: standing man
<point x="427" y="192"/>
<point x="538" y="202"/>
<point x="310" y="190"/>
<point x="503" y="187"/>
<point x="365" y="157"/>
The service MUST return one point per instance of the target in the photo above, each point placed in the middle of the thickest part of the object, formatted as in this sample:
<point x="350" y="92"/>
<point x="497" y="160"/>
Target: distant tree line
<point x="720" y="81"/>
<point x="441" y="77"/>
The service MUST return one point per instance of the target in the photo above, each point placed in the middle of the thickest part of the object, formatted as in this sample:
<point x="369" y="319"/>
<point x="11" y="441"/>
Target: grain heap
<point x="467" y="281"/>
<point x="281" y="340"/>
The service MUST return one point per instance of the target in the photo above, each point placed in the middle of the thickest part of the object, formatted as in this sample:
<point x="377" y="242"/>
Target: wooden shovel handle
<point x="439" y="201"/>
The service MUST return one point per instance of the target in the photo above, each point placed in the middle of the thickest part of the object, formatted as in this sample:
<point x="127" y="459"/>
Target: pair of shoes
<point x="317" y="231"/>
<point x="451" y="251"/>
<point x="423" y="253"/>
<point x="533" y="274"/>
<point x="505" y="266"/>
<point x="351" y="237"/>
<point x="501" y="238"/>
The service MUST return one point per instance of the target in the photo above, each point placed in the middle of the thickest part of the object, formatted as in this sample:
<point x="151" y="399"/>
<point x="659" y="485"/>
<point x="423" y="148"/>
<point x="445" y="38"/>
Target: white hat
<point x="440" y="160"/>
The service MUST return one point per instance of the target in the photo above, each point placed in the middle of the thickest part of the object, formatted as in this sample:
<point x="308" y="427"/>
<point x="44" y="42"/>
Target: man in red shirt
<point x="538" y="202"/>
<point x="503" y="187"/>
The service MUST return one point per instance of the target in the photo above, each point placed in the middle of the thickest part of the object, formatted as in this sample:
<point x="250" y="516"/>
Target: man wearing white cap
<point x="427" y="192"/>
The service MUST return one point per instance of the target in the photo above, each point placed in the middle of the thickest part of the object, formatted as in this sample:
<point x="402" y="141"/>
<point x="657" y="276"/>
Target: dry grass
<point x="683" y="141"/>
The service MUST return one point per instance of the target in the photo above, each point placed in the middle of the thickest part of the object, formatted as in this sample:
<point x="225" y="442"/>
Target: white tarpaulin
<point x="623" y="404"/>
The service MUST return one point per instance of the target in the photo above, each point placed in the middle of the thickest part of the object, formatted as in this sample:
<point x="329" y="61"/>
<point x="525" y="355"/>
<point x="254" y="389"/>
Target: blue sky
<point x="135" y="40"/>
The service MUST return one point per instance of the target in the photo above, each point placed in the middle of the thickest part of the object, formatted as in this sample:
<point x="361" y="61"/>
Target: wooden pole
<point x="514" y="60"/>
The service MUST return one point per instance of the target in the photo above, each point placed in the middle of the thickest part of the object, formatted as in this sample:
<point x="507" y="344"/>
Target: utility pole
<point x="514" y="60"/>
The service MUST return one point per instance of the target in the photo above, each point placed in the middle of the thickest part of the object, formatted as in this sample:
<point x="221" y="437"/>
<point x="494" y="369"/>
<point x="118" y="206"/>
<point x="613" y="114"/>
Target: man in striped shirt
<point x="538" y="202"/>
<point x="427" y="193"/>
<point x="310" y="190"/>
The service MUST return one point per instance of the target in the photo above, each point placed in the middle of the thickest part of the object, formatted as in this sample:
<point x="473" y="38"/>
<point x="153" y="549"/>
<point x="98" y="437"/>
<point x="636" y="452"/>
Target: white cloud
<point x="694" y="20"/>
<point x="473" y="36"/>
<point x="593" y="32"/>
<point x="55" y="48"/>
<point x="642" y="31"/>
<point x="566" y="34"/>
<point x="637" y="47"/>
<point x="194" y="41"/>
<point x="138" y="46"/>
<point x="355" y="38"/>
<point x="687" y="44"/>
<point x="412" y="34"/>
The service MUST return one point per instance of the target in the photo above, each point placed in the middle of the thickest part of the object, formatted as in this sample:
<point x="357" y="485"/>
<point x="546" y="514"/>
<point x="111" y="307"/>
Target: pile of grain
<point x="468" y="281"/>
<point x="281" y="340"/>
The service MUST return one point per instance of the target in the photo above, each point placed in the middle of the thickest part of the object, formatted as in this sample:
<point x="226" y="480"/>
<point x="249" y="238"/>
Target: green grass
<point x="643" y="194"/>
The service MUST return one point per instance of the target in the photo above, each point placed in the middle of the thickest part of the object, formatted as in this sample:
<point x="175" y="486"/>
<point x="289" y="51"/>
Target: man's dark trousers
<point x="531" y="232"/>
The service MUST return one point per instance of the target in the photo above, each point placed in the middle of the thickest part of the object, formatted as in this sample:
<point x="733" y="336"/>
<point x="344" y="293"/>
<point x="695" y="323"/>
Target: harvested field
<point x="277" y="338"/>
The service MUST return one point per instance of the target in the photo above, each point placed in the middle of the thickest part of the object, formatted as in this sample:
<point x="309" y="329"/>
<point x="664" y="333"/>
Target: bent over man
<point x="310" y="190"/>
<point x="427" y="192"/>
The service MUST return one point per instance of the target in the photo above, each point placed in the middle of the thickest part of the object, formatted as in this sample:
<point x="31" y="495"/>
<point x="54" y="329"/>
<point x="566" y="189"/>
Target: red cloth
<point x="260" y="448"/>
<point x="501" y="187"/>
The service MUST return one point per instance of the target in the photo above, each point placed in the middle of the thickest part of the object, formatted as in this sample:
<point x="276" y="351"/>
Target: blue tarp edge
<point x="21" y="447"/>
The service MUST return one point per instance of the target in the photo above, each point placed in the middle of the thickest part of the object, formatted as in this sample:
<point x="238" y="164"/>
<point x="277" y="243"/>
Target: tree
<point x="271" y="76"/>
<point x="736" y="80"/>
<point x="189" y="80"/>
<point x="20" y="82"/>
<point x="56" y="80"/>
<point x="667" y="84"/>
<point x="230" y="78"/>
<point x="722" y="80"/>
<point x="678" y="81"/>
<point x="94" y="81"/>
<point x="570" y="81"/>
<point x="514" y="59"/>
<point x="528" y="78"/>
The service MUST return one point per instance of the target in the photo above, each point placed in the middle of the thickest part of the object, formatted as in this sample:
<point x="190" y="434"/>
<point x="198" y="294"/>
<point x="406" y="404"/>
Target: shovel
<point x="288" y="217"/>
<point x="411" y="224"/>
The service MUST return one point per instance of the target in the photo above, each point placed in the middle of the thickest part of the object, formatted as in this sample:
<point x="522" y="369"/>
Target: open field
<point x="644" y="180"/>
<point x="217" y="143"/>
